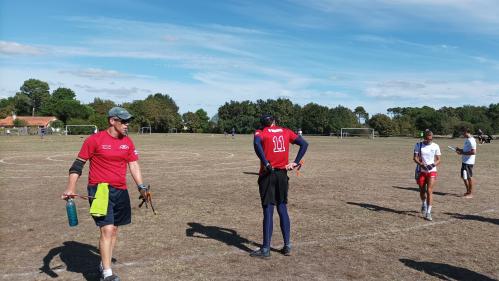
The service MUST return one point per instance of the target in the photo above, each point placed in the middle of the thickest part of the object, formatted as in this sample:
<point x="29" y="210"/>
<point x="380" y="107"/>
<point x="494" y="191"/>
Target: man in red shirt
<point x="271" y="145"/>
<point x="109" y="152"/>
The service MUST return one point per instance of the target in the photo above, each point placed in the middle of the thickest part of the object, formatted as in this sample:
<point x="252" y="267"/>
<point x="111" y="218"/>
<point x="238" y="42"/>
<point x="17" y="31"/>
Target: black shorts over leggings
<point x="274" y="187"/>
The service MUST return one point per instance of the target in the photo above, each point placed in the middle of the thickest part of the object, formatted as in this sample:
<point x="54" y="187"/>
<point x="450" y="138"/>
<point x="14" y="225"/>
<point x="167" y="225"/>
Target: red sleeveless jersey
<point x="275" y="143"/>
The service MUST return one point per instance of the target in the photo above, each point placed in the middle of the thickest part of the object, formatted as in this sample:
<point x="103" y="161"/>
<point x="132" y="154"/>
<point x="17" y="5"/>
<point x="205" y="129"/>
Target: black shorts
<point x="466" y="171"/>
<point x="119" y="211"/>
<point x="274" y="187"/>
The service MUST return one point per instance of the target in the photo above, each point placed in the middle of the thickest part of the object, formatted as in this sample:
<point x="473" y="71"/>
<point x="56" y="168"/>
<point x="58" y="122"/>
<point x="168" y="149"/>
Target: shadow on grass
<point x="434" y="192"/>
<point x="225" y="235"/>
<point x="251" y="173"/>
<point x="78" y="257"/>
<point x="377" y="208"/>
<point x="474" y="218"/>
<point x="445" y="271"/>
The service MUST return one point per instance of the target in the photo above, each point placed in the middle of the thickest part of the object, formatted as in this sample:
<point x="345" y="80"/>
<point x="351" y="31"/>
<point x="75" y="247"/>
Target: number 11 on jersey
<point x="278" y="144"/>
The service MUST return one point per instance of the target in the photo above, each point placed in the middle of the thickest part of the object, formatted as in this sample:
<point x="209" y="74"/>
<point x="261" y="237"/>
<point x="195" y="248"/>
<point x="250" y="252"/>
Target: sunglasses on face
<point x="122" y="121"/>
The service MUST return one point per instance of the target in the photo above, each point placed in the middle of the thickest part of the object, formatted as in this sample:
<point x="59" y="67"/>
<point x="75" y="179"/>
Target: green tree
<point x="283" y="110"/>
<point x="71" y="109"/>
<point x="63" y="94"/>
<point x="243" y="116"/>
<point x="382" y="124"/>
<point x="196" y="122"/>
<point x="203" y="119"/>
<point x="189" y="120"/>
<point x="20" y="123"/>
<point x="341" y="117"/>
<point x="361" y="113"/>
<point x="315" y="119"/>
<point x="22" y="104"/>
<point x="7" y="106"/>
<point x="37" y="91"/>
<point x="493" y="115"/>
<point x="60" y="94"/>
<point x="213" y="124"/>
<point x="158" y="110"/>
<point x="101" y="106"/>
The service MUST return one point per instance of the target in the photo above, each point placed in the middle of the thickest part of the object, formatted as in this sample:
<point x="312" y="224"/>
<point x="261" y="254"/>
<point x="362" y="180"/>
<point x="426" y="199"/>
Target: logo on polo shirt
<point x="124" y="146"/>
<point x="106" y="146"/>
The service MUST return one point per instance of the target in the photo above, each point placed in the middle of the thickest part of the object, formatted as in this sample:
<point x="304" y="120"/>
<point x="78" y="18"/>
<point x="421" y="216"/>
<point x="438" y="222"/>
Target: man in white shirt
<point x="468" y="157"/>
<point x="427" y="157"/>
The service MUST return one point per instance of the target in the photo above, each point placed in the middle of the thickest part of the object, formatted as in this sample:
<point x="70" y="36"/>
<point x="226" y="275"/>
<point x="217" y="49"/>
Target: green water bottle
<point x="71" y="211"/>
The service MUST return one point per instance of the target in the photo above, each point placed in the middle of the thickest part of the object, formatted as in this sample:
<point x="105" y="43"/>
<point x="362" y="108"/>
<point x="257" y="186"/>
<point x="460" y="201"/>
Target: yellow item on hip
<point x="100" y="201"/>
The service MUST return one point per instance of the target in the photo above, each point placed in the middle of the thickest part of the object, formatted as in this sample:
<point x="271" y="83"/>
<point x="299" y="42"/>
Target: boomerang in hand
<point x="79" y="196"/>
<point x="299" y="167"/>
<point x="147" y="199"/>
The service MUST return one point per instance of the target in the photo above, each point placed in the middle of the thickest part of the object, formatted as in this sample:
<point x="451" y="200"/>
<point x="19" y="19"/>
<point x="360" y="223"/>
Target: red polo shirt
<point x="108" y="157"/>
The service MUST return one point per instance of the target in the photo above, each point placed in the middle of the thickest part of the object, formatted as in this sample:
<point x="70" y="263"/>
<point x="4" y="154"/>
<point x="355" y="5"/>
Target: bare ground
<point x="354" y="212"/>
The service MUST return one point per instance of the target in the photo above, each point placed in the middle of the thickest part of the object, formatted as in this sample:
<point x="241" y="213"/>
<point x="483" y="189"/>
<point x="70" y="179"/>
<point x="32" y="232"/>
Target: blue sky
<point x="373" y="53"/>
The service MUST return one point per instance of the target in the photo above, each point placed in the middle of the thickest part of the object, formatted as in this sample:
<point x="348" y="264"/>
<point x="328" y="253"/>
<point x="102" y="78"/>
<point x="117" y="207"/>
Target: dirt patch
<point x="354" y="214"/>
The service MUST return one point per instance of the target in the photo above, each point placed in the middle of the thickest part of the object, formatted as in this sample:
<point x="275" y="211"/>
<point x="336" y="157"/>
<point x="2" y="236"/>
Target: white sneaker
<point x="423" y="209"/>
<point x="428" y="217"/>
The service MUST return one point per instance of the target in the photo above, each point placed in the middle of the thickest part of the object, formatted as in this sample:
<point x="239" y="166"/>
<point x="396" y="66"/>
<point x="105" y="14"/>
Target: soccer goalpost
<point x="80" y="129"/>
<point x="357" y="132"/>
<point x="145" y="130"/>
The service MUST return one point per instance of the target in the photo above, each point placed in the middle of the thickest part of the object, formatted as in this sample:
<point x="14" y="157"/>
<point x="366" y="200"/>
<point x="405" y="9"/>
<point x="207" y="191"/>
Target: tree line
<point x="161" y="113"/>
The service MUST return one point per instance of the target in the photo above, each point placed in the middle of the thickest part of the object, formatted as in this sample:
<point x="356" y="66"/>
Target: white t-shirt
<point x="469" y="144"/>
<point x="428" y="152"/>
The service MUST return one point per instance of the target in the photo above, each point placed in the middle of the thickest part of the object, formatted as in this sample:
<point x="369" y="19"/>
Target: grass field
<point x="354" y="213"/>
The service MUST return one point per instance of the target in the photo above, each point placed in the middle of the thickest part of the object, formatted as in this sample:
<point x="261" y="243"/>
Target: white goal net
<point x="357" y="132"/>
<point x="145" y="130"/>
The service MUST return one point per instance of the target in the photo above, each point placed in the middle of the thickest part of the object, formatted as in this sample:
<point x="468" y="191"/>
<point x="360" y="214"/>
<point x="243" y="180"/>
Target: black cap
<point x="266" y="119"/>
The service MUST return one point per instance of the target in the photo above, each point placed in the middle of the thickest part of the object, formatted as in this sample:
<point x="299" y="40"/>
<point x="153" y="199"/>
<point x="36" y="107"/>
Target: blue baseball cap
<point x="119" y="112"/>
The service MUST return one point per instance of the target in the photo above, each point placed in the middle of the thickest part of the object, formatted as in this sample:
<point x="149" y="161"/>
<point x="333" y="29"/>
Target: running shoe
<point x="261" y="253"/>
<point x="286" y="250"/>
<point x="111" y="278"/>
<point x="428" y="217"/>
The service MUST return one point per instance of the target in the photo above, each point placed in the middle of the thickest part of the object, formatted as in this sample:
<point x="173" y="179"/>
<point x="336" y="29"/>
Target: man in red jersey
<point x="109" y="152"/>
<point x="271" y="144"/>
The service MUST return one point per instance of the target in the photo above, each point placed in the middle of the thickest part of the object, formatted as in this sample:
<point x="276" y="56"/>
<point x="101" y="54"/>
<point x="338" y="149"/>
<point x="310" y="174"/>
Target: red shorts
<point x="425" y="175"/>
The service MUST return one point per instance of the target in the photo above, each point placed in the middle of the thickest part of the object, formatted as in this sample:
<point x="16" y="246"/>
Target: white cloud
<point x="120" y="92"/>
<point x="234" y="63"/>
<point x="438" y="92"/>
<point x="477" y="15"/>
<point x="14" y="48"/>
<point x="99" y="74"/>
<point x="213" y="89"/>
<point x="482" y="10"/>
<point x="380" y="40"/>
<point x="487" y="61"/>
